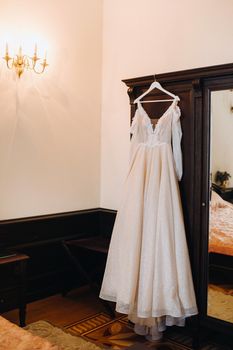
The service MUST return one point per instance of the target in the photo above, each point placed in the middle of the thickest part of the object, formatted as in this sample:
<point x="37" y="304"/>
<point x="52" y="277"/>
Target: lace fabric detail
<point x="177" y="113"/>
<point x="167" y="130"/>
<point x="161" y="122"/>
<point x="139" y="121"/>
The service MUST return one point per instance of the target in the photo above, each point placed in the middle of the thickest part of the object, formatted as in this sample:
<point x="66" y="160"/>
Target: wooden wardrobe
<point x="194" y="87"/>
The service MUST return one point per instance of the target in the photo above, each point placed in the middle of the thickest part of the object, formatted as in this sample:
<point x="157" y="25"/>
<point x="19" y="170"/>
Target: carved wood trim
<point x="189" y="74"/>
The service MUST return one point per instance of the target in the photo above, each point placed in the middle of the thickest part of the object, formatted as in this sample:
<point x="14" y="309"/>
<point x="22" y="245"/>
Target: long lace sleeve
<point x="138" y="130"/>
<point x="176" y="143"/>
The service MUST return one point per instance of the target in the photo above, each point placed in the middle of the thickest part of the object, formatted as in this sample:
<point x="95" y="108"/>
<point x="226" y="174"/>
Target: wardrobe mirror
<point x="220" y="281"/>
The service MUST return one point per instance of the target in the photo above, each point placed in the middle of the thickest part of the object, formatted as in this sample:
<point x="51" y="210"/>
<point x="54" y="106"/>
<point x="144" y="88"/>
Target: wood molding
<point x="40" y="237"/>
<point x="189" y="74"/>
<point x="45" y="229"/>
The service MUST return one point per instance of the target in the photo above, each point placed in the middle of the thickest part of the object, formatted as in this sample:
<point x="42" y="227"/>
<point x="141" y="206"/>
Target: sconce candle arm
<point x="21" y="62"/>
<point x="9" y="59"/>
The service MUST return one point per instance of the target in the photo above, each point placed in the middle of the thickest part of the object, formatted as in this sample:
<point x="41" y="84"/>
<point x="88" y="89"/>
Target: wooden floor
<point x="64" y="311"/>
<point x="61" y="311"/>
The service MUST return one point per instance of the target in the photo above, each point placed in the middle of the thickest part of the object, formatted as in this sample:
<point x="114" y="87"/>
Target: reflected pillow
<point x="217" y="201"/>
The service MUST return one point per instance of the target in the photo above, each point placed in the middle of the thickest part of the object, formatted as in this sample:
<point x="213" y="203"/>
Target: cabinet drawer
<point x="8" y="299"/>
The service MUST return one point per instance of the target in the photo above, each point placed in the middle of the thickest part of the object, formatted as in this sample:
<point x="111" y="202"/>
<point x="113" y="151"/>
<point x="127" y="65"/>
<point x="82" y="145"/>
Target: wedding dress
<point x="148" y="271"/>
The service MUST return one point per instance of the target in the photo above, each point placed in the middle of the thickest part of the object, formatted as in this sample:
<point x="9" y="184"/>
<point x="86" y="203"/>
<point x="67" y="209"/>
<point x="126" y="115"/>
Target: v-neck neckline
<point x="154" y="129"/>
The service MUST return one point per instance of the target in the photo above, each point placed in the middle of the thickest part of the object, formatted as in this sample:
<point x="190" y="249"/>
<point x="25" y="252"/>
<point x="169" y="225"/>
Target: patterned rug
<point x="59" y="338"/>
<point x="118" y="334"/>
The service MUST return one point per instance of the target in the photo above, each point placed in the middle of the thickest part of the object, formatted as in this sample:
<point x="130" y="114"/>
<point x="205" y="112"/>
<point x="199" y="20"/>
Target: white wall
<point x="147" y="37"/>
<point x="222" y="131"/>
<point x="50" y="124"/>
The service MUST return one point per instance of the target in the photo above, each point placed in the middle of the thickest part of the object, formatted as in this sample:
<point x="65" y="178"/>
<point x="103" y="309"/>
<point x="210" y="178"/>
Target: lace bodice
<point x="167" y="130"/>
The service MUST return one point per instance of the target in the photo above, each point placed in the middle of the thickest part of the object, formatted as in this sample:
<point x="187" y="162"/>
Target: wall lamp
<point x="20" y="62"/>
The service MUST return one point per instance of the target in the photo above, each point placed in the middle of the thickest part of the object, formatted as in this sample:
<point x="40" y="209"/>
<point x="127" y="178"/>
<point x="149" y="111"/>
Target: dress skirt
<point x="148" y="271"/>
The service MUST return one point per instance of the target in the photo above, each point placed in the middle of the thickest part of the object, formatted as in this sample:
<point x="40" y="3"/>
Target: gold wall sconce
<point x="20" y="62"/>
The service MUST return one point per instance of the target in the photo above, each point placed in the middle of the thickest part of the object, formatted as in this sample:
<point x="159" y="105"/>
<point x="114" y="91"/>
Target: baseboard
<point x="48" y="228"/>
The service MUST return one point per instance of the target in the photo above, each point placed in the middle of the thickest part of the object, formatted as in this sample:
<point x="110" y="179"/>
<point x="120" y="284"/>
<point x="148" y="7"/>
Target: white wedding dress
<point x="148" y="271"/>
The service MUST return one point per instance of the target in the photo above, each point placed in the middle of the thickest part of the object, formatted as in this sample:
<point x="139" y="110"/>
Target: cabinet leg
<point x="22" y="290"/>
<point x="22" y="316"/>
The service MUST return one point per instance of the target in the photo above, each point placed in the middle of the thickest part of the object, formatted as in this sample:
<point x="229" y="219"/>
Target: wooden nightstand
<point x="17" y="290"/>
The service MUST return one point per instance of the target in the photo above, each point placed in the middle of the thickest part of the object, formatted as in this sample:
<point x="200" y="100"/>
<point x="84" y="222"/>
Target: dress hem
<point x="154" y="313"/>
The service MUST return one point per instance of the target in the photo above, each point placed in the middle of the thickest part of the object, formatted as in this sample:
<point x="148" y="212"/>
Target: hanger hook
<point x="154" y="78"/>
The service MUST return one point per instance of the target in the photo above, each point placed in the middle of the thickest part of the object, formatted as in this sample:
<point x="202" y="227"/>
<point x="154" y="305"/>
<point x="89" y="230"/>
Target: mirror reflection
<point x="220" y="287"/>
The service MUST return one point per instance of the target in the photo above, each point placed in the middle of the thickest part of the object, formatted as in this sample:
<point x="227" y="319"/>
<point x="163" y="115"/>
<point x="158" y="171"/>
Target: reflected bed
<point x="221" y="226"/>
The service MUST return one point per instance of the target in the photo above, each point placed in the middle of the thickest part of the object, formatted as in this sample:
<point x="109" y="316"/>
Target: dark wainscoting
<point x="49" y="269"/>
